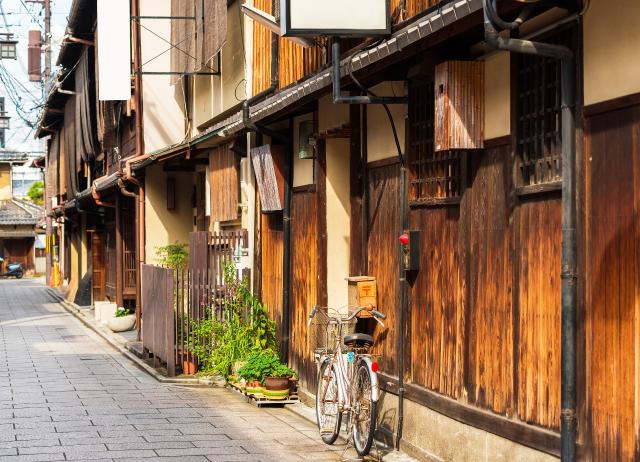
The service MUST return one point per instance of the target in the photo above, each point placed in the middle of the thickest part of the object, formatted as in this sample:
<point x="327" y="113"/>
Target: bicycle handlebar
<point x="358" y="310"/>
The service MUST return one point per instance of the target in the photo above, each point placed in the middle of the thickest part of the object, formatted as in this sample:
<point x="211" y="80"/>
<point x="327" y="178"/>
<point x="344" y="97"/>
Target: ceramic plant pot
<point x="122" y="324"/>
<point x="276" y="383"/>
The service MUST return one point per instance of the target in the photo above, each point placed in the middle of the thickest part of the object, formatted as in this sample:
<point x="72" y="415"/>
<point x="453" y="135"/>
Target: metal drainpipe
<point x="569" y="267"/>
<point x="288" y="171"/>
<point x="403" y="297"/>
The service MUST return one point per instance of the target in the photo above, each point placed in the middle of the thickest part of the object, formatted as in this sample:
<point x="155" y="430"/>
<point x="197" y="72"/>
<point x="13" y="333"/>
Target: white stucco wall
<point x="380" y="141"/>
<point x="611" y="48"/>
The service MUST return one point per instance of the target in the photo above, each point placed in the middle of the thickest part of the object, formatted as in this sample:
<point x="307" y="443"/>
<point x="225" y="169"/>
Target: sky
<point x="20" y="16"/>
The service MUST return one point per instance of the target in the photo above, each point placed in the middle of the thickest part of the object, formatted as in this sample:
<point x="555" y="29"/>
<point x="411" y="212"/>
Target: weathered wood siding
<point x="304" y="274"/>
<point x="438" y="301"/>
<point x="223" y="168"/>
<point x="384" y="229"/>
<point x="491" y="305"/>
<point x="613" y="282"/>
<point x="538" y="338"/>
<point x="271" y="269"/>
<point x="294" y="61"/>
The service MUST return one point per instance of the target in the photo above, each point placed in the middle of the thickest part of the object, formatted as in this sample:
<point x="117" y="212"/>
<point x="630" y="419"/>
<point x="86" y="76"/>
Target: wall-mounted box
<point x="459" y="105"/>
<point x="363" y="291"/>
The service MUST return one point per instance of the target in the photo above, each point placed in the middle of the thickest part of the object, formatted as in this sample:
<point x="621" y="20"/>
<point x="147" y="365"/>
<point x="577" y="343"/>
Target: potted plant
<point x="256" y="368"/>
<point x="277" y="384"/>
<point x="123" y="320"/>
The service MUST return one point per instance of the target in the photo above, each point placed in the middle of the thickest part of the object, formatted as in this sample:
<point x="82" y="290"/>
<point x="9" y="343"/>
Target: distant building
<point x="18" y="218"/>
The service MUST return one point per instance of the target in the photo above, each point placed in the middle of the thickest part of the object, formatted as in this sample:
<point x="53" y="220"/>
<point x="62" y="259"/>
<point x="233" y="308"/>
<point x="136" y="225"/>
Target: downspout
<point x="96" y="197"/>
<point x="288" y="181"/>
<point x="141" y="237"/>
<point x="569" y="267"/>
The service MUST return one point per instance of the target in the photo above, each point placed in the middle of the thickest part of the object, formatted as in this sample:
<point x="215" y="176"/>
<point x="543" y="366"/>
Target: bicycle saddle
<point x="358" y="340"/>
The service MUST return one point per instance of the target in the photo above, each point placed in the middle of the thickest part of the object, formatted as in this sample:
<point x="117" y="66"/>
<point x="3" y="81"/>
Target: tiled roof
<point x="13" y="156"/>
<point x="19" y="212"/>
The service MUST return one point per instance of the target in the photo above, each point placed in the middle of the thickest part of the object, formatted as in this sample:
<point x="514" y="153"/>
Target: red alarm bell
<point x="404" y="239"/>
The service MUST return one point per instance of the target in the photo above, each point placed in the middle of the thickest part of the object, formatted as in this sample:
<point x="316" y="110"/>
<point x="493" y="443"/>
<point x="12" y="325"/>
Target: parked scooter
<point x="14" y="270"/>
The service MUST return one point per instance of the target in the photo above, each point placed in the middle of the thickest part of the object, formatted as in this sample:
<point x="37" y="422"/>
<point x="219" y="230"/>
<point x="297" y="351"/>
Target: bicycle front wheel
<point x="327" y="407"/>
<point x="364" y="411"/>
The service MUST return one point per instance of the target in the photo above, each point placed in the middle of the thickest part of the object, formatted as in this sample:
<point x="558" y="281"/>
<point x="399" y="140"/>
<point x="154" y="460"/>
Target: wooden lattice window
<point x="434" y="177"/>
<point x="538" y="123"/>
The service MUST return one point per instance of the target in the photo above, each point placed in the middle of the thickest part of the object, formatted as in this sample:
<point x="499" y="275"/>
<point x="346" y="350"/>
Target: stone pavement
<point x="65" y="394"/>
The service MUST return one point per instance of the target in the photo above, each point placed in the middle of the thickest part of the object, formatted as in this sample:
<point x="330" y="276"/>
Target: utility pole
<point x="51" y="241"/>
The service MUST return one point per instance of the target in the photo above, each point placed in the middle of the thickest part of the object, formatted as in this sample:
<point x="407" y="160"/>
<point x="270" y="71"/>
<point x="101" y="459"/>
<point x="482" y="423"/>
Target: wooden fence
<point x="174" y="298"/>
<point x="158" y="334"/>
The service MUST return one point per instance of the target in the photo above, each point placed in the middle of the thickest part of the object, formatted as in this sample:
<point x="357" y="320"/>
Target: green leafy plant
<point x="263" y="364"/>
<point x="36" y="192"/>
<point x="173" y="256"/>
<point x="245" y="328"/>
<point x="121" y="312"/>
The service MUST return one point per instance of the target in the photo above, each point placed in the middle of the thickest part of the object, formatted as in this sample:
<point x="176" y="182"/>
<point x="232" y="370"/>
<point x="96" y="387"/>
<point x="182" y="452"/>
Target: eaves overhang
<point x="318" y="84"/>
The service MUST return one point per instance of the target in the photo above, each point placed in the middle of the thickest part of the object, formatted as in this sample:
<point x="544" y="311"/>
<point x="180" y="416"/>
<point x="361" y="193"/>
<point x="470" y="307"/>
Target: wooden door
<point x="99" y="277"/>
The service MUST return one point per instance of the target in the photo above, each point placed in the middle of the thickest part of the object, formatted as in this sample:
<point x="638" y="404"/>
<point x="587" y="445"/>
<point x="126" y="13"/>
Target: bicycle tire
<point x="364" y="424"/>
<point x="327" y="438"/>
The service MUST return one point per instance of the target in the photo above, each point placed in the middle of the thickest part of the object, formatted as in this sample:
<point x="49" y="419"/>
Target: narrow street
<point x="67" y="395"/>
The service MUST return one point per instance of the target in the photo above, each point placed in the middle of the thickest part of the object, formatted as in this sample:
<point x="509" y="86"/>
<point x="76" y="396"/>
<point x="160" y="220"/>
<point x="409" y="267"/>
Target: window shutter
<point x="267" y="163"/>
<point x="224" y="184"/>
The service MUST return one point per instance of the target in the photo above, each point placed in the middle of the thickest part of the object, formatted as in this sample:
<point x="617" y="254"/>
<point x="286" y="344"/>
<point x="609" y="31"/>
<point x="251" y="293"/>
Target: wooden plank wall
<point x="613" y="283"/>
<point x="304" y="275"/>
<point x="224" y="177"/>
<point x="411" y="8"/>
<point x="438" y="314"/>
<point x="491" y="322"/>
<point x="485" y="305"/>
<point x="384" y="229"/>
<point x="272" y="253"/>
<point x="294" y="61"/>
<point x="538" y="259"/>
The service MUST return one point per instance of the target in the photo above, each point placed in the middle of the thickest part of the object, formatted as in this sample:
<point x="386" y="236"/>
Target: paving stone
<point x="66" y="394"/>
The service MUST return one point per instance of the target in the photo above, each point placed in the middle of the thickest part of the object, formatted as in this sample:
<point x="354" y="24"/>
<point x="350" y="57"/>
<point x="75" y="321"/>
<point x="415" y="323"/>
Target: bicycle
<point x="347" y="378"/>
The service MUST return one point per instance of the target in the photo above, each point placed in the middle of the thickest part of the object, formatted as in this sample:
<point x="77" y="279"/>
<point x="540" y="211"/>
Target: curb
<point x="121" y="347"/>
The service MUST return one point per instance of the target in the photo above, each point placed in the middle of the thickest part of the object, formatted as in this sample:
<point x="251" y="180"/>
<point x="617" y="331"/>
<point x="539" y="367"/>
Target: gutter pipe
<point x="288" y="181"/>
<point x="569" y="266"/>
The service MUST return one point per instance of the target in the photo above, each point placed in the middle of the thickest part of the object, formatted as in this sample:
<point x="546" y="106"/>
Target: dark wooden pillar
<point x="119" y="253"/>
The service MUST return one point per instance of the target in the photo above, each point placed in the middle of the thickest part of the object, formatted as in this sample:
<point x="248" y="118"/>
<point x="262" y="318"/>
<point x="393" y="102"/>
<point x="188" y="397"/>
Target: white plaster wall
<point x="497" y="94"/>
<point x="380" y="141"/>
<point x="611" y="49"/>
<point x="162" y="112"/>
<point x="338" y="221"/>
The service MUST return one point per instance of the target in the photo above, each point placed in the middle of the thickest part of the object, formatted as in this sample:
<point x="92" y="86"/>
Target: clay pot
<point x="122" y="324"/>
<point x="276" y="383"/>
<point x="189" y="367"/>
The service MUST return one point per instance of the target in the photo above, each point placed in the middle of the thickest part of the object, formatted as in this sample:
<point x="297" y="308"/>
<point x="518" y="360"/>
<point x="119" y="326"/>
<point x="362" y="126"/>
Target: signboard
<point x="114" y="50"/>
<point x="356" y="18"/>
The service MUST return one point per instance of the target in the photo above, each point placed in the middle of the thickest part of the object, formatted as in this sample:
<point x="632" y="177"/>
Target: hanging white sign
<point x="114" y="50"/>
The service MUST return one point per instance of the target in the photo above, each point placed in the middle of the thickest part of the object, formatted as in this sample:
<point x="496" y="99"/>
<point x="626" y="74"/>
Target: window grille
<point x="538" y="126"/>
<point x="435" y="177"/>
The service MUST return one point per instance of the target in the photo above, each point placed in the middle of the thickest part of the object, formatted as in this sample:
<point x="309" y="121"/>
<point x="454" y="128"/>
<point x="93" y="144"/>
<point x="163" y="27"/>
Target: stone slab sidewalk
<point x="68" y="394"/>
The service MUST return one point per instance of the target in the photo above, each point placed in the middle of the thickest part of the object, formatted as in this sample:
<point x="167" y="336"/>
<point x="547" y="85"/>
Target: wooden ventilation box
<point x="459" y="105"/>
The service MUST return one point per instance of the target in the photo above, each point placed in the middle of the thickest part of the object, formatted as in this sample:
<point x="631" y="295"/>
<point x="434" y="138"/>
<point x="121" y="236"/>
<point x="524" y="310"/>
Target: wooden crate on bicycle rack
<point x="362" y="291"/>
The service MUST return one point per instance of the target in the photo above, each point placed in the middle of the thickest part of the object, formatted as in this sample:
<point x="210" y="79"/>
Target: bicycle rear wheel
<point x="364" y="413"/>
<point x="327" y="414"/>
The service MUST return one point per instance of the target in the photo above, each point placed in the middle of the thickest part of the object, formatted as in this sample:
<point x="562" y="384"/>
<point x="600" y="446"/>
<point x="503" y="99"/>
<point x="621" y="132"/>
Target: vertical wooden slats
<point x="99" y="277"/>
<point x="491" y="323"/>
<point x="304" y="235"/>
<point x="158" y="316"/>
<point x="272" y="254"/>
<point x="438" y="302"/>
<point x="613" y="267"/>
<point x="538" y="341"/>
<point x="459" y="105"/>
<point x="383" y="225"/>
<point x="224" y="184"/>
